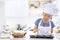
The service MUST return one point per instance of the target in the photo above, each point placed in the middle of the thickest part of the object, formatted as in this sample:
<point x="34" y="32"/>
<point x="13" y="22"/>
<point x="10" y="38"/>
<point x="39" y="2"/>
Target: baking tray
<point x="42" y="36"/>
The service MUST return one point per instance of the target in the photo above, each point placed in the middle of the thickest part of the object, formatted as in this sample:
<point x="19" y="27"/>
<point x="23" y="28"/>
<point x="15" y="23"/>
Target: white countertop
<point x="28" y="38"/>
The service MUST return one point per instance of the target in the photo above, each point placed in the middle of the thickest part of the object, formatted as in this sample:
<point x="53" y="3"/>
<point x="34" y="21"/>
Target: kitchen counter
<point x="27" y="37"/>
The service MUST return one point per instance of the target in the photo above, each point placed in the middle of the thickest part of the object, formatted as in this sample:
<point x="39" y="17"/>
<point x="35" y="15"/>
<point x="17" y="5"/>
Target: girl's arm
<point x="35" y="29"/>
<point x="51" y="31"/>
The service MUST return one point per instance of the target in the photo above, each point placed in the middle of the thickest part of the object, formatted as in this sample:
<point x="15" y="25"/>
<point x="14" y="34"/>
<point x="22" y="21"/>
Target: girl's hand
<point x="51" y="34"/>
<point x="35" y="30"/>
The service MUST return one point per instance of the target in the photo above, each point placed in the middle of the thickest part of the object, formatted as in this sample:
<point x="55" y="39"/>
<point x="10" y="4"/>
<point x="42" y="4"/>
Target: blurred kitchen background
<point x="23" y="13"/>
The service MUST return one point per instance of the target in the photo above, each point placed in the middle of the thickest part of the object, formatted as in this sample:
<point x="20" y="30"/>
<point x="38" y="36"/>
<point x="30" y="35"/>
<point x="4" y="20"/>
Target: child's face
<point x="47" y="16"/>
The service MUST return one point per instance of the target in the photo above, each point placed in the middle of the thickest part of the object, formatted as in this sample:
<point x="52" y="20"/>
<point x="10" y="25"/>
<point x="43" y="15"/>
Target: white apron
<point x="44" y="30"/>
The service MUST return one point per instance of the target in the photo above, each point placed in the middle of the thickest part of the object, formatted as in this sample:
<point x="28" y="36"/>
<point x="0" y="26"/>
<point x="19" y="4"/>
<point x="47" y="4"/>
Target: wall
<point x="16" y="12"/>
<point x="56" y="19"/>
<point x="2" y="15"/>
<point x="16" y="8"/>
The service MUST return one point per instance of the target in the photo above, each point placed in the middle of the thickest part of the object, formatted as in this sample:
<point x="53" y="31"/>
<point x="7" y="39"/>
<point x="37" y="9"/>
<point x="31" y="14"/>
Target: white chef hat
<point x="50" y="9"/>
